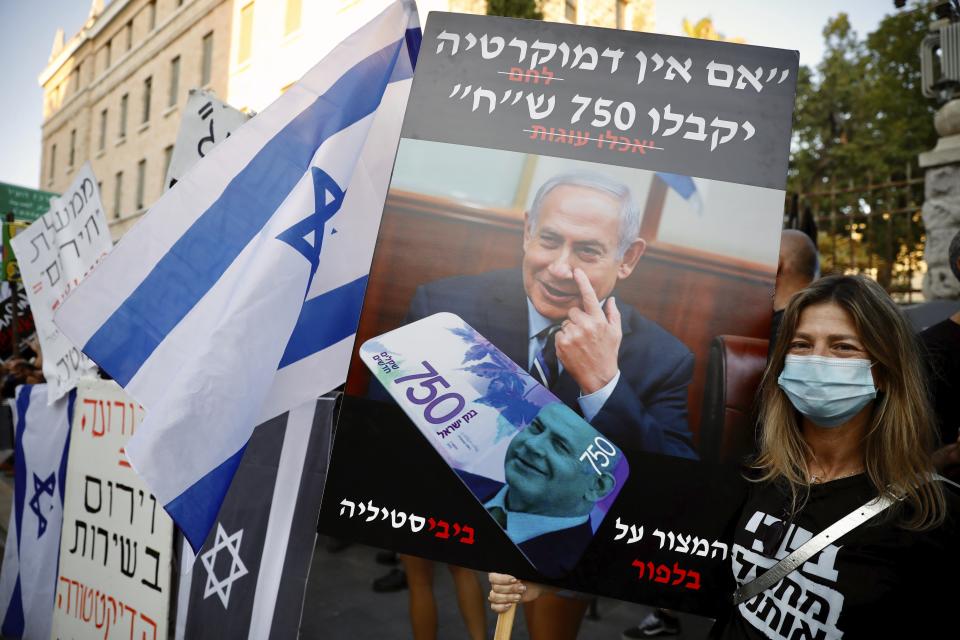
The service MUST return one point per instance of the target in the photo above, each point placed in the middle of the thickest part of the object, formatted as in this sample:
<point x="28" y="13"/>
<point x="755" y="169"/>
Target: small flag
<point x="251" y="576"/>
<point x="29" y="577"/>
<point x="686" y="188"/>
<point x="238" y="294"/>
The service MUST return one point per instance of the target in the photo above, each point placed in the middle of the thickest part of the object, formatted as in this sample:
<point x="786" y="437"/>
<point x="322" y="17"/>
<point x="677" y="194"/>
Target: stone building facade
<point x="113" y="93"/>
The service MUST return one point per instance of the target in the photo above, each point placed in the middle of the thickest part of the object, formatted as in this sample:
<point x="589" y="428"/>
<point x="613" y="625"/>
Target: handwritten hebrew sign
<point x="54" y="254"/>
<point x="206" y="122"/>
<point x="115" y="550"/>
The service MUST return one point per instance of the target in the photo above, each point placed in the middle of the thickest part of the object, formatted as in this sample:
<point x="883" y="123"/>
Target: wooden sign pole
<point x="505" y="624"/>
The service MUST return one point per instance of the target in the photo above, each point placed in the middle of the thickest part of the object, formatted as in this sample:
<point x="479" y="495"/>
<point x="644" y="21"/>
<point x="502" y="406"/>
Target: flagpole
<point x="505" y="624"/>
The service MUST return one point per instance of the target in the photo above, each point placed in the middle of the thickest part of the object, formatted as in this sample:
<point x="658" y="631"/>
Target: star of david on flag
<point x="200" y="311"/>
<point x="307" y="235"/>
<point x="41" y="487"/>
<point x="216" y="585"/>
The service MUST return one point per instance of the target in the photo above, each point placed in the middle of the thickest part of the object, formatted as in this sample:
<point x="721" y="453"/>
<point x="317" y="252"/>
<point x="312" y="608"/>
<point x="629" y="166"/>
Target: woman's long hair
<point x="901" y="435"/>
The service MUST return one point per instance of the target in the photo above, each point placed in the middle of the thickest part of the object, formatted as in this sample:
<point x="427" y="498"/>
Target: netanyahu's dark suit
<point x="648" y="407"/>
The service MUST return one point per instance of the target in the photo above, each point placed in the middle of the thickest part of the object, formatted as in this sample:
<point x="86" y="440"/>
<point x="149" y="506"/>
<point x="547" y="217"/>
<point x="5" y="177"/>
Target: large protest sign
<point x="54" y="254"/>
<point x="29" y="575"/>
<point x="206" y="122"/>
<point x="115" y="551"/>
<point x="555" y="183"/>
<point x="250" y="578"/>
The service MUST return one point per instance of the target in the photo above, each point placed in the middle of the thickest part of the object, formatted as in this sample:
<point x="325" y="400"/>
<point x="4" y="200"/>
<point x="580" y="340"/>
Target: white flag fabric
<point x="54" y="255"/>
<point x="29" y="578"/>
<point x="238" y="295"/>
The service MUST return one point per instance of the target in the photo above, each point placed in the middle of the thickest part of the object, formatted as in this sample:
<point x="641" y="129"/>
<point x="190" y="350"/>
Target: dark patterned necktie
<point x="499" y="515"/>
<point x="545" y="367"/>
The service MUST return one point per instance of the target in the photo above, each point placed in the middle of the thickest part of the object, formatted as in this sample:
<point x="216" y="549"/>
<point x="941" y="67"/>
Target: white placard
<point x="117" y="542"/>
<point x="206" y="122"/>
<point x="54" y="254"/>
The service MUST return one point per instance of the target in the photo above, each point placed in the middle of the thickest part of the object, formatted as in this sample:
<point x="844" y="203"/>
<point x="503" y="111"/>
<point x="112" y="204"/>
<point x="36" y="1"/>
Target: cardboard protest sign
<point x="115" y="551"/>
<point x="206" y="121"/>
<point x="624" y="193"/>
<point x="54" y="254"/>
<point x="502" y="432"/>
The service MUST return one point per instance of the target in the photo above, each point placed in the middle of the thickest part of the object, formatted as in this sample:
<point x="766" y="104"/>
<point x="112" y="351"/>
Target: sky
<point x="27" y="28"/>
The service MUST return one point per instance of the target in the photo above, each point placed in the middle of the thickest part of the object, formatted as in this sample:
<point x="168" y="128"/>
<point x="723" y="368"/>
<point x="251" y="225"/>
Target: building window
<point x="129" y="34"/>
<point x="246" y="33"/>
<point x="179" y="3"/>
<point x="174" y="81"/>
<point x="292" y="22"/>
<point x="73" y="148"/>
<point x="117" y="194"/>
<point x="103" y="130"/>
<point x="570" y="10"/>
<point x="151" y="15"/>
<point x="167" y="157"/>
<point x="147" y="92"/>
<point x="106" y="56"/>
<point x="206" y="62"/>
<point x="141" y="178"/>
<point x="53" y="161"/>
<point x="124" y="100"/>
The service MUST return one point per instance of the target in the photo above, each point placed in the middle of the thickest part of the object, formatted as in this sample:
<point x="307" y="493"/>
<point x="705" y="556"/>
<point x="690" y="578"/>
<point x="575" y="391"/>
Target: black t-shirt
<point x="879" y="581"/>
<point x="942" y="343"/>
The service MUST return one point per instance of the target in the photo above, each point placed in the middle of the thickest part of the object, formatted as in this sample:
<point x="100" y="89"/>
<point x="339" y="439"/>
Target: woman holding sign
<point x="845" y="520"/>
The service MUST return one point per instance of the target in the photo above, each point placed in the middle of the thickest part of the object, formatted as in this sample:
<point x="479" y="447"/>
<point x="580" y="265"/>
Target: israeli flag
<point x="29" y="579"/>
<point x="237" y="296"/>
<point x="686" y="188"/>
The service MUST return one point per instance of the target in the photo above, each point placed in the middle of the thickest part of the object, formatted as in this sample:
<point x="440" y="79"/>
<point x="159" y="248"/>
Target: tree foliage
<point x="862" y="113"/>
<point x="515" y="9"/>
<point x="861" y="119"/>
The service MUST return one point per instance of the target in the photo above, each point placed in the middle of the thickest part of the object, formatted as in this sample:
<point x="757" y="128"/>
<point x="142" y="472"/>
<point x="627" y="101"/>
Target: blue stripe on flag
<point x="13" y="622"/>
<point x="62" y="473"/>
<point x="195" y="510"/>
<point x="19" y="461"/>
<point x="325" y="321"/>
<point x="413" y="37"/>
<point x="199" y="258"/>
<point x="683" y="185"/>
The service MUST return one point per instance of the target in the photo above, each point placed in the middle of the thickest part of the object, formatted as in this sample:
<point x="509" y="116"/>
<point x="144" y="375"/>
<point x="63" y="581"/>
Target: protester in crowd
<point x="797" y="266"/>
<point x="942" y="349"/>
<point x="17" y="371"/>
<point x="846" y="425"/>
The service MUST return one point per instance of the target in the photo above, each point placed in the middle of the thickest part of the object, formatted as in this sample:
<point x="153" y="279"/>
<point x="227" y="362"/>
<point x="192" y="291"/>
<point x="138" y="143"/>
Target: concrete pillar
<point x="941" y="204"/>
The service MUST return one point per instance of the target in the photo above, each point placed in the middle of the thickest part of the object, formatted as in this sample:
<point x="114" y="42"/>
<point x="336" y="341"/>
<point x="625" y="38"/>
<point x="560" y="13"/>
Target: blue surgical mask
<point x="829" y="391"/>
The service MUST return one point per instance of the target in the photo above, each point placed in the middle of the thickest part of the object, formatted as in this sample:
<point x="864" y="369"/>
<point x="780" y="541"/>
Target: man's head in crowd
<point x="578" y="220"/>
<point x="544" y="471"/>
<point x="798" y="266"/>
